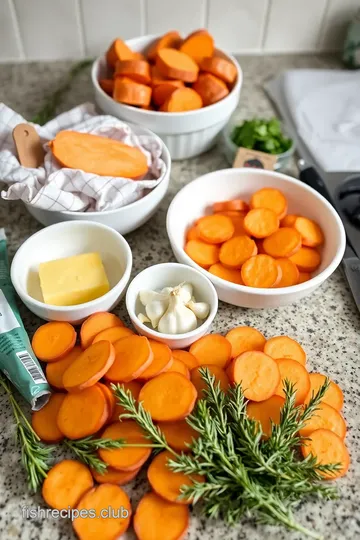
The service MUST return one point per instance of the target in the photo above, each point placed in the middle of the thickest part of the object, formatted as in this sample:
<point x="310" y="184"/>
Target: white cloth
<point x="53" y="187"/>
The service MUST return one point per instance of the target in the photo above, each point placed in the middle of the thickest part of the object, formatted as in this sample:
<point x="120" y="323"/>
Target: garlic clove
<point x="178" y="319"/>
<point x="155" y="310"/>
<point x="200" y="309"/>
<point x="186" y="290"/>
<point x="143" y="318"/>
<point x="149" y="296"/>
<point x="167" y="290"/>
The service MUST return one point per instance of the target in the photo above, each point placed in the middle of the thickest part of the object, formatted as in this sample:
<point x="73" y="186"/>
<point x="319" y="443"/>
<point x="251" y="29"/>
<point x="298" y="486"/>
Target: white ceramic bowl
<point x="195" y="200"/>
<point x="64" y="240"/>
<point x="186" y="134"/>
<point x="125" y="219"/>
<point x="169" y="275"/>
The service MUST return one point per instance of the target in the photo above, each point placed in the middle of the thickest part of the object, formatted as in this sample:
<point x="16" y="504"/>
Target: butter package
<point x="17" y="359"/>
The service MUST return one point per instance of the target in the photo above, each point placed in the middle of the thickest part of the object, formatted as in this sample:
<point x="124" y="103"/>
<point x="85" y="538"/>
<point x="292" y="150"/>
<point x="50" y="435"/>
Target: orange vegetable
<point x="86" y="152"/>
<point x="261" y="222"/>
<point x="261" y="271"/>
<point x="137" y="70"/>
<point x="311" y="234"/>
<point x="199" y="383"/>
<point x="257" y="373"/>
<point x="215" y="229"/>
<point x="113" y="334"/>
<point x="163" y="91"/>
<point x="192" y="234"/>
<point x="83" y="413"/>
<point x="198" y="45"/>
<point x="162" y="360"/>
<point x="107" y="85"/>
<point x="169" y="40"/>
<point x="55" y="370"/>
<point x="133" y="355"/>
<point x="325" y="417"/>
<point x="288" y="221"/>
<point x="53" y="340"/>
<point x="174" y="64"/>
<point x="110" y="400"/>
<point x="178" y="434"/>
<point x="177" y="366"/>
<point x="156" y="76"/>
<point x="282" y="243"/>
<point x="210" y="88"/>
<point x="220" y="67"/>
<point x="306" y="259"/>
<point x="296" y="374"/>
<point x="284" y="347"/>
<point x="186" y="358"/>
<point x="333" y="395"/>
<point x="44" y="420"/>
<point x="134" y="388"/>
<point x="95" y="324"/>
<point x="236" y="251"/>
<point x="304" y="276"/>
<point x="167" y="483"/>
<point x="182" y="100"/>
<point x="289" y="273"/>
<point x="226" y="273"/>
<point x="109" y="503"/>
<point x="113" y="476"/>
<point x="131" y="92"/>
<point x="328" y="449"/>
<point x="244" y="339"/>
<point x="202" y="253"/>
<point x="166" y="519"/>
<point x="168" y="397"/>
<point x="130" y="458"/>
<point x="270" y="198"/>
<point x="59" y="489"/>
<point x="266" y="412"/>
<point x="89" y="367"/>
<point x="237" y="205"/>
<point x="212" y="349"/>
<point x="118" y="50"/>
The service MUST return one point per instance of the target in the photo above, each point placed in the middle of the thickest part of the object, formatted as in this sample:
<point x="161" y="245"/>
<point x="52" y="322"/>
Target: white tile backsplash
<point x="58" y="29"/>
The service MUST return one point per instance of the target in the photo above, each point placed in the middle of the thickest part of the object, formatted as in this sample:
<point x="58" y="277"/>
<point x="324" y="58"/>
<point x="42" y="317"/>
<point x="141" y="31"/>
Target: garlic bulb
<point x="200" y="309"/>
<point x="178" y="319"/>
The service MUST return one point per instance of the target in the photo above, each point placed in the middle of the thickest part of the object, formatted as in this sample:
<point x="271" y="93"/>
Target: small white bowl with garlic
<point x="172" y="303"/>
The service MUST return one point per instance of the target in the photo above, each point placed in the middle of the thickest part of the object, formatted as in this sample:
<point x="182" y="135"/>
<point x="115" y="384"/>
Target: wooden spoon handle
<point x="28" y="146"/>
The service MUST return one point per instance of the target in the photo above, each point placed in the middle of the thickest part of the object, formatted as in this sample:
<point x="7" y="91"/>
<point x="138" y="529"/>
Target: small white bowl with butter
<point x="105" y="265"/>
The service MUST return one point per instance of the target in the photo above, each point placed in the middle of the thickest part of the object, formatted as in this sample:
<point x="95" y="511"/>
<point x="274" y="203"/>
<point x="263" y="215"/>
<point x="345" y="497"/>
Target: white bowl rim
<point x="66" y="309"/>
<point x="173" y="337"/>
<point x="159" y="114"/>
<point x="314" y="281"/>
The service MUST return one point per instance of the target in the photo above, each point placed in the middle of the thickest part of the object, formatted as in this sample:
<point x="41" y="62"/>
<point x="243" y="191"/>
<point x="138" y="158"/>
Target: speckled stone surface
<point x="327" y="323"/>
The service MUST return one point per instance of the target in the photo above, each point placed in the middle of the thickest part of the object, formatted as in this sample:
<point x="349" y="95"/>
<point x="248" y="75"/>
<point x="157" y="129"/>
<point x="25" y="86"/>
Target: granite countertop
<point x="326" y="323"/>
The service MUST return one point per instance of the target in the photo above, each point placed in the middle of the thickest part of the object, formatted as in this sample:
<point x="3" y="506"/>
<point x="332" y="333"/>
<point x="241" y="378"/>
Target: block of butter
<point x="73" y="280"/>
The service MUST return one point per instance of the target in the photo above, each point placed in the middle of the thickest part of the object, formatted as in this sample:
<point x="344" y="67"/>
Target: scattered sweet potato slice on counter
<point x="174" y="64"/>
<point x="170" y="40"/>
<point x="325" y="417"/>
<point x="110" y="400"/>
<point x="328" y="448"/>
<point x="127" y="458"/>
<point x="270" y="198"/>
<point x="182" y="100"/>
<point x="244" y="339"/>
<point x="107" y="85"/>
<point x="284" y="347"/>
<point x="113" y="334"/>
<point x="257" y="373"/>
<point x="163" y="91"/>
<point x="236" y="251"/>
<point x="215" y="229"/>
<point x="134" y="388"/>
<point x="186" y="358"/>
<point x="44" y="421"/>
<point x="115" y="476"/>
<point x="237" y="205"/>
<point x="261" y="271"/>
<point x="212" y="349"/>
<point x="199" y="383"/>
<point x="137" y="70"/>
<point x="289" y="273"/>
<point x="86" y="152"/>
<point x="89" y="367"/>
<point x="333" y="395"/>
<point x="261" y="222"/>
<point x="162" y="360"/>
<point x="167" y="483"/>
<point x="219" y="270"/>
<point x="202" y="253"/>
<point x="198" y="45"/>
<point x="109" y="503"/>
<point x="311" y="233"/>
<point x="265" y="412"/>
<point x="131" y="92"/>
<point x="296" y="374"/>
<point x="282" y="243"/>
<point x="53" y="340"/>
<point x="178" y="434"/>
<point x="118" y="50"/>
<point x="133" y="355"/>
<point x="66" y="483"/>
<point x="95" y="324"/>
<point x="179" y="367"/>
<point x="210" y="88"/>
<point x="157" y="518"/>
<point x="168" y="397"/>
<point x="220" y="67"/>
<point x="56" y="370"/>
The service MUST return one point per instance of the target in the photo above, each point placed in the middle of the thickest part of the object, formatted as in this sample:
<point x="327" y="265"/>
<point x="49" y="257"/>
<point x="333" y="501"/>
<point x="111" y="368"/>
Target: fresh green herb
<point x="263" y="135"/>
<point x="35" y="457"/>
<point x="244" y="474"/>
<point x="86" y="450"/>
<point x="48" y="111"/>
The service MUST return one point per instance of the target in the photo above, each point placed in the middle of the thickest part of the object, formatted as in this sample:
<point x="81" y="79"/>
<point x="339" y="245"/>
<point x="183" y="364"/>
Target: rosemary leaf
<point x="86" y="450"/>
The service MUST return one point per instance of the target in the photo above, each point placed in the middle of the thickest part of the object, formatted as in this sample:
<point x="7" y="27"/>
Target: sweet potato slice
<point x="44" y="421"/>
<point x="325" y="417"/>
<point x="266" y="412"/>
<point x="66" y="483"/>
<point x="95" y="324"/>
<point x="227" y="274"/>
<point x="295" y="373"/>
<point x="107" y="85"/>
<point x="202" y="253"/>
<point x="134" y="388"/>
<point x="212" y="349"/>
<point x="270" y="198"/>
<point x="328" y="448"/>
<point x="198" y="45"/>
<point x="174" y="64"/>
<point x="53" y="340"/>
<point x="236" y="251"/>
<point x="170" y="40"/>
<point x="289" y="273"/>
<point x="133" y="355"/>
<point x="162" y="360"/>
<point x="210" y="88"/>
<point x="333" y="395"/>
<point x="163" y="91"/>
<point x="306" y="259"/>
<point x="178" y="434"/>
<point x="220" y="378"/>
<point x="220" y="67"/>
<point x="245" y="338"/>
<point x="131" y="92"/>
<point x="261" y="222"/>
<point x="282" y="243"/>
<point x="118" y="50"/>
<point x="261" y="271"/>
<point x="113" y="334"/>
<point x="186" y="358"/>
<point x="137" y="70"/>
<point x="114" y="476"/>
<point x="215" y="229"/>
<point x="130" y="458"/>
<point x="177" y="366"/>
<point x="311" y="233"/>
<point x="182" y="100"/>
<point x="56" y="370"/>
<point x="285" y="347"/>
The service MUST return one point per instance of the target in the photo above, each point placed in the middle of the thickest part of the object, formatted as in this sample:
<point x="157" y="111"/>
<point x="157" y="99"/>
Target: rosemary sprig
<point x="35" y="456"/>
<point x="48" y="111"/>
<point x="86" y="450"/>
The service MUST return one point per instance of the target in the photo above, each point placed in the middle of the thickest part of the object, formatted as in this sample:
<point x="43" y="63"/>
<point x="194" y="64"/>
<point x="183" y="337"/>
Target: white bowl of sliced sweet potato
<point x="184" y="90"/>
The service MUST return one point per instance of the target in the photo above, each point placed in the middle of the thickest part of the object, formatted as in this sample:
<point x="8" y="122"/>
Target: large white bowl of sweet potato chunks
<point x="184" y="90"/>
